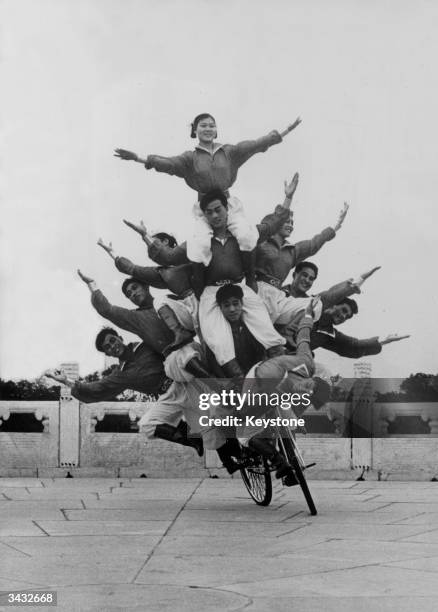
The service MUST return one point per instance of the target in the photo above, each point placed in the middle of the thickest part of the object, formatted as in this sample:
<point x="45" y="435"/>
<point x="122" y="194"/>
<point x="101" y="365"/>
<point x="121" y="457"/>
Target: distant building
<point x="71" y="369"/>
<point x="362" y="369"/>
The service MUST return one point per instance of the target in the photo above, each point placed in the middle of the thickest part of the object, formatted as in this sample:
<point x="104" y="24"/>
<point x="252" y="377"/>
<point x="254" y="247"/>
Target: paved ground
<point x="187" y="544"/>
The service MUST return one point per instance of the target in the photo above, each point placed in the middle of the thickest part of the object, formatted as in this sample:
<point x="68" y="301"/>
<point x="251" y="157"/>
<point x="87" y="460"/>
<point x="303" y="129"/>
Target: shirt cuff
<point x="93" y="286"/>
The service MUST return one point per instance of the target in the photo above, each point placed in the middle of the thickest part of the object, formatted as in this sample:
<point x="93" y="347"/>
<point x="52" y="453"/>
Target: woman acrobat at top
<point x="210" y="165"/>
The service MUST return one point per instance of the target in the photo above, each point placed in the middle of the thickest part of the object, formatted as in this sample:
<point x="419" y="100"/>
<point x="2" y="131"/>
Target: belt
<point x="269" y="279"/>
<point x="180" y="296"/>
<point x="226" y="281"/>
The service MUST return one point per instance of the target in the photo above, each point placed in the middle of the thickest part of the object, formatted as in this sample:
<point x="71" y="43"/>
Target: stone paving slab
<point x="121" y="514"/>
<point x="343" y="604"/>
<point x="106" y="528"/>
<point x="191" y="544"/>
<point x="19" y="527"/>
<point x="206" y="570"/>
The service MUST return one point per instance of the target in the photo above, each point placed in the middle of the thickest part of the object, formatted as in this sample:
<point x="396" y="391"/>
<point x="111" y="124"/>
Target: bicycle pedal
<point x="309" y="466"/>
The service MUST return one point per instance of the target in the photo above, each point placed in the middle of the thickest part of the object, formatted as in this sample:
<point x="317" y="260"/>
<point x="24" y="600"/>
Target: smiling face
<point x="303" y="280"/>
<point x="206" y="130"/>
<point x="113" y="345"/>
<point x="216" y="215"/>
<point x="137" y="293"/>
<point x="232" y="309"/>
<point x="286" y="229"/>
<point x="339" y="313"/>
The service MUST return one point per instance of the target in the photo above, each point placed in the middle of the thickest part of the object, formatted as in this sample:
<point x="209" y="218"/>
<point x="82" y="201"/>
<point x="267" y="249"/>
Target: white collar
<point x="216" y="147"/>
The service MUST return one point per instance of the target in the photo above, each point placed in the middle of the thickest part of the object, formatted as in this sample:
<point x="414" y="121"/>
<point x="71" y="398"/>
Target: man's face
<point x="137" y="293"/>
<point x="113" y="345"/>
<point x="304" y="279"/>
<point x="340" y="313"/>
<point x="286" y="229"/>
<point x="216" y="215"/>
<point x="232" y="309"/>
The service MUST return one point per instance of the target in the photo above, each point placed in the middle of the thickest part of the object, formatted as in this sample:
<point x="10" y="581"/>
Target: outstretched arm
<point x="307" y="248"/>
<point x="60" y="377"/>
<point x="128" y="155"/>
<point x="108" y="248"/>
<point x="141" y="230"/>
<point x="243" y="151"/>
<point x="157" y="251"/>
<point x="289" y="190"/>
<point x="341" y="217"/>
<point x="97" y="391"/>
<point x="291" y="127"/>
<point x="90" y="282"/>
<point x="341" y="290"/>
<point x="271" y="223"/>
<point x="179" y="165"/>
<point x="393" y="338"/>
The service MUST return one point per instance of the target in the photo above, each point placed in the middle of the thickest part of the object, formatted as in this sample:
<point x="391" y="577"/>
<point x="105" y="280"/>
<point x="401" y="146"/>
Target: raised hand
<point x="290" y="188"/>
<point x="140" y="229"/>
<point x="126" y="155"/>
<point x="84" y="278"/>
<point x="366" y="275"/>
<point x="393" y="338"/>
<point x="107" y="247"/>
<point x="291" y="127"/>
<point x="341" y="218"/>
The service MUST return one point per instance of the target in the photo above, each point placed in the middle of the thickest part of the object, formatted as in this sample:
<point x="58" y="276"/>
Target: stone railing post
<point x="69" y="429"/>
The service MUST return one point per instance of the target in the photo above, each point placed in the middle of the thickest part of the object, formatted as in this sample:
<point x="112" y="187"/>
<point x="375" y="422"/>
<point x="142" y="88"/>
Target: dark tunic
<point x="141" y="369"/>
<point x="276" y="260"/>
<point x="144" y="322"/>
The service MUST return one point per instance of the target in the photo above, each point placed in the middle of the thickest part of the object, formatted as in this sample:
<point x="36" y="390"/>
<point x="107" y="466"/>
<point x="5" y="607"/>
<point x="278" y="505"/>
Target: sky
<point x="81" y="78"/>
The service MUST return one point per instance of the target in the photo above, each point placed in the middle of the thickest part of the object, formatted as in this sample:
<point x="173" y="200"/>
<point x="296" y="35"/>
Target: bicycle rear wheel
<point x="289" y="451"/>
<point x="257" y="479"/>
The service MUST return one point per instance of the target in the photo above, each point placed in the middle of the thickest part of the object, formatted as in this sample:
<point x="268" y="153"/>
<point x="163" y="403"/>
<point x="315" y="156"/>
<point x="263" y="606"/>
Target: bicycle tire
<point x="258" y="481"/>
<point x="293" y="460"/>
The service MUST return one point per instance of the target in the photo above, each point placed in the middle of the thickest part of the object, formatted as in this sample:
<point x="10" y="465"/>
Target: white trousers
<point x="281" y="308"/>
<point x="186" y="310"/>
<point x="199" y="243"/>
<point x="182" y="399"/>
<point x="216" y="330"/>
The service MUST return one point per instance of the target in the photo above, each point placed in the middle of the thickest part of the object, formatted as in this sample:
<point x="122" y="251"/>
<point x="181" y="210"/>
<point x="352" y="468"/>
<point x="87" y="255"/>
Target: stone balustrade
<point x="57" y="438"/>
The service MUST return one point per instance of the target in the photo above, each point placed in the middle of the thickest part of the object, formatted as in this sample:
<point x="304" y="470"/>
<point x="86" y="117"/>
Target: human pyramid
<point x="229" y="323"/>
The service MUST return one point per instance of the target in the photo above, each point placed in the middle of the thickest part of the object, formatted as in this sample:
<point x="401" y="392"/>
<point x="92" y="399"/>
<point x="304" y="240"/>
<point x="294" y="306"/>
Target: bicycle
<point x="256" y="471"/>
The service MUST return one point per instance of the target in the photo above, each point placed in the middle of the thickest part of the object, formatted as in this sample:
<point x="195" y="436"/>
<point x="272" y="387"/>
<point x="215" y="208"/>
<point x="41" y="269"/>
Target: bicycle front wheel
<point x="292" y="458"/>
<point x="257" y="479"/>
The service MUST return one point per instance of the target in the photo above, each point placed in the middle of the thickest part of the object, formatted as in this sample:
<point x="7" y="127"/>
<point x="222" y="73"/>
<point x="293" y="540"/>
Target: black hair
<point x="100" y="338"/>
<point x="128" y="281"/>
<point x="305" y="264"/>
<point x="352" y="303"/>
<point x="170" y="239"/>
<point x="196" y="120"/>
<point x="216" y="194"/>
<point x="321" y="392"/>
<point x="229" y="291"/>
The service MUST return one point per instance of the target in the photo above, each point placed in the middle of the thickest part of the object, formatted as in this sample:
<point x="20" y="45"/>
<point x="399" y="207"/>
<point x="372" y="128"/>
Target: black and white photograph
<point x="218" y="356"/>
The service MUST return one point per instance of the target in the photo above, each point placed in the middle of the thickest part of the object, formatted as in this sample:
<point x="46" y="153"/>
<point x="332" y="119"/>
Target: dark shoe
<point x="266" y="448"/>
<point x="231" y="466"/>
<point x="227" y="454"/>
<point x="290" y="480"/>
<point x="179" y="435"/>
